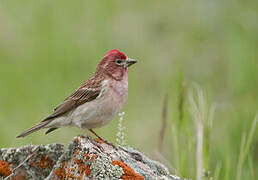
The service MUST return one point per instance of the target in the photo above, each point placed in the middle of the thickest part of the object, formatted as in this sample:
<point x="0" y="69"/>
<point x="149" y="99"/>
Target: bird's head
<point x="115" y="64"/>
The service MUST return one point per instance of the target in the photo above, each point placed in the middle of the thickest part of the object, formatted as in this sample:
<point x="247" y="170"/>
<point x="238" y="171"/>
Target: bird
<point x="96" y="102"/>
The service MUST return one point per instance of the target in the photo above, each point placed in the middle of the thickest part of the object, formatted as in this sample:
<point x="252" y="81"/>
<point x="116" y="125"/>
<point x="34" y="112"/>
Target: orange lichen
<point x="60" y="172"/>
<point x="19" y="176"/>
<point x="93" y="157"/>
<point x="77" y="161"/>
<point x="87" y="170"/>
<point x="100" y="141"/>
<point x="86" y="155"/>
<point x="76" y="152"/>
<point x="77" y="140"/>
<point x="88" y="158"/>
<point x="4" y="169"/>
<point x="45" y="162"/>
<point x="128" y="172"/>
<point x="81" y="167"/>
<point x="65" y="172"/>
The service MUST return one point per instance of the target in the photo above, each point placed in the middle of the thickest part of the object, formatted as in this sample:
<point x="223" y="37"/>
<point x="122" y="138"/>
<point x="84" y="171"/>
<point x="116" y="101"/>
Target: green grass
<point x="47" y="48"/>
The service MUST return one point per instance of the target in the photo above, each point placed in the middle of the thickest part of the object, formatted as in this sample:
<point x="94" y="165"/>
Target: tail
<point x="37" y="127"/>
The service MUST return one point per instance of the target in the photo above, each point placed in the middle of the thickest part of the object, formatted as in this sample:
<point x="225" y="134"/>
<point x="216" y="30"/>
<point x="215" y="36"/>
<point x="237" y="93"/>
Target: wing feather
<point x="85" y="93"/>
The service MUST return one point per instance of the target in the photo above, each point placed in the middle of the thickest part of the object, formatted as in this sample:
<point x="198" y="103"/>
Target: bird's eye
<point x="119" y="61"/>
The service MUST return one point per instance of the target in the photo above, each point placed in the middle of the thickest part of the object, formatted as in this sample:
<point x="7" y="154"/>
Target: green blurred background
<point x="47" y="48"/>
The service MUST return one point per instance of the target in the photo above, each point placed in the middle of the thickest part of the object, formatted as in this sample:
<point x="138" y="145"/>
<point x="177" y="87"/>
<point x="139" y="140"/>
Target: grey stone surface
<point x="29" y="162"/>
<point x="83" y="159"/>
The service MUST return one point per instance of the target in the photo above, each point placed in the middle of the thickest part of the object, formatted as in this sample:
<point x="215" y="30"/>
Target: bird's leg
<point x="93" y="132"/>
<point x="105" y="141"/>
<point x="91" y="139"/>
<point x="86" y="133"/>
<point x="136" y="156"/>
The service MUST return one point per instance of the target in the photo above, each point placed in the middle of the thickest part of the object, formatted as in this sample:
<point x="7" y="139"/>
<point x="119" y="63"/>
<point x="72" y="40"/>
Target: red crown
<point x="116" y="53"/>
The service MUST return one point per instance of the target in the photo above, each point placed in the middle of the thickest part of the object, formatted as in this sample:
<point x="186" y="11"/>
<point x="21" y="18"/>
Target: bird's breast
<point x="114" y="97"/>
<point x="103" y="109"/>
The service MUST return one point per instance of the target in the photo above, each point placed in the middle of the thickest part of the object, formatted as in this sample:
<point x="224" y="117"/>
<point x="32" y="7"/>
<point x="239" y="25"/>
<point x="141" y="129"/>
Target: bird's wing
<point x="86" y="93"/>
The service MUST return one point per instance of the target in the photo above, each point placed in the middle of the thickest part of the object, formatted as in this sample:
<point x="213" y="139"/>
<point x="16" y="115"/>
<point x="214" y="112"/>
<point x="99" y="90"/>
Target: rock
<point x="84" y="159"/>
<point x="29" y="162"/>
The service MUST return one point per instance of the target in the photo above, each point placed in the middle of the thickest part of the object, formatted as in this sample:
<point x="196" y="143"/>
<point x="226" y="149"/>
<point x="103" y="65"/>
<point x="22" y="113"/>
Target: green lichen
<point x="102" y="168"/>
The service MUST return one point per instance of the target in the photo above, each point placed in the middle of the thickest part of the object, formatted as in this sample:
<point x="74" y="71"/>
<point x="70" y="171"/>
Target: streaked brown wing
<point x="80" y="96"/>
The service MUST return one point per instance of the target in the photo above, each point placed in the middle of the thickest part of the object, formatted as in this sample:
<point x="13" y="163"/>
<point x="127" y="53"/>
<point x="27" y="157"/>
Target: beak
<point x="130" y="62"/>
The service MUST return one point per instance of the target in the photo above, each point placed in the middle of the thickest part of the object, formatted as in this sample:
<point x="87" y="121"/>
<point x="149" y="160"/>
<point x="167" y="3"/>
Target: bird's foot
<point x="110" y="144"/>
<point x="93" y="141"/>
<point x="103" y="140"/>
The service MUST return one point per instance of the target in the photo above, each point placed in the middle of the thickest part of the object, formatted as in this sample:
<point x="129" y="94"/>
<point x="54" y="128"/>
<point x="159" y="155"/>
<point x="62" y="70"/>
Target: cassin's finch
<point x="96" y="101"/>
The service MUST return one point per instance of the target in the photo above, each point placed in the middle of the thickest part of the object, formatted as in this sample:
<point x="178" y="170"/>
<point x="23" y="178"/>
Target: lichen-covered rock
<point x="84" y="159"/>
<point x="29" y="162"/>
<point x="87" y="160"/>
